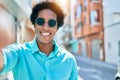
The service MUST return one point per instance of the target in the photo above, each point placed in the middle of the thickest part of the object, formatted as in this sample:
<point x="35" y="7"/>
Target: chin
<point x="45" y="42"/>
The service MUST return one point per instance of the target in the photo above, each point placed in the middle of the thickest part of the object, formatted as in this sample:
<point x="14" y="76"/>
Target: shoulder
<point x="14" y="46"/>
<point x="17" y="47"/>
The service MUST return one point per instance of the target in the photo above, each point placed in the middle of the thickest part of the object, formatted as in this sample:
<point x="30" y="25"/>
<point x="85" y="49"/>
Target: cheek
<point x="55" y="30"/>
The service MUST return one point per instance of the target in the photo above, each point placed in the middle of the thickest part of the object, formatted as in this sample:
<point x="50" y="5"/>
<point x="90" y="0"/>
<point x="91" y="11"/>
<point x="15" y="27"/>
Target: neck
<point x="46" y="48"/>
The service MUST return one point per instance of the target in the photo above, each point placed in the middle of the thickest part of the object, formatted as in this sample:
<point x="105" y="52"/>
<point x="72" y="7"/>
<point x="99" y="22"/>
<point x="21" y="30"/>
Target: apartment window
<point x="78" y="11"/>
<point x="94" y="17"/>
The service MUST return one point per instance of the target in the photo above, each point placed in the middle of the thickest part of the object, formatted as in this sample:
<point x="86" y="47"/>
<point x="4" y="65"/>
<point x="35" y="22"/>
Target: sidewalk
<point x="95" y="62"/>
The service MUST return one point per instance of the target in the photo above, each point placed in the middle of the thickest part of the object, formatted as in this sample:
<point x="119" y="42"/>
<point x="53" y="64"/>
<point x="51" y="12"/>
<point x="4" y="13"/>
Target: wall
<point x="111" y="43"/>
<point x="111" y="29"/>
<point x="7" y="27"/>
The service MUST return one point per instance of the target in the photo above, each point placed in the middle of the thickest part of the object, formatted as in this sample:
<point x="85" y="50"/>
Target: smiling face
<point x="45" y="33"/>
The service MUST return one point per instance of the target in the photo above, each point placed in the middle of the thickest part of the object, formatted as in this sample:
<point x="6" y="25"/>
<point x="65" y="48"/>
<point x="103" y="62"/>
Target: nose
<point x="46" y="26"/>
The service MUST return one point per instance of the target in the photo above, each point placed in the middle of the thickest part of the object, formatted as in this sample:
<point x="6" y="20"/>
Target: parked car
<point x="117" y="76"/>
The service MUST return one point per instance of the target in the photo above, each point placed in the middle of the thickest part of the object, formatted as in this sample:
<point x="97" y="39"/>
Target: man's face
<point x="45" y="33"/>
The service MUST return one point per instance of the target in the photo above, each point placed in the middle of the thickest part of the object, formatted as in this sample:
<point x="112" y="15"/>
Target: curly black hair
<point x="48" y="5"/>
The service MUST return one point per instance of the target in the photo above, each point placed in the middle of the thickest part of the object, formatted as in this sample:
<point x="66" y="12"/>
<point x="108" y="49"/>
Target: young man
<point x="42" y="58"/>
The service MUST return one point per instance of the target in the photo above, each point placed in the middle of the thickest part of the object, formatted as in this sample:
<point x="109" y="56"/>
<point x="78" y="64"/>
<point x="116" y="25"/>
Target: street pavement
<point x="90" y="69"/>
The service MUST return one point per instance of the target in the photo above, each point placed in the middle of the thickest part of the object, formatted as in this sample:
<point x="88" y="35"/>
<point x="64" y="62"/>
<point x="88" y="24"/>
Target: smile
<point x="45" y="33"/>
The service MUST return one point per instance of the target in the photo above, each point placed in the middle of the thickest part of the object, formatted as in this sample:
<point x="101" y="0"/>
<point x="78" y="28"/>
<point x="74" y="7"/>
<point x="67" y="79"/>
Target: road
<point x="88" y="71"/>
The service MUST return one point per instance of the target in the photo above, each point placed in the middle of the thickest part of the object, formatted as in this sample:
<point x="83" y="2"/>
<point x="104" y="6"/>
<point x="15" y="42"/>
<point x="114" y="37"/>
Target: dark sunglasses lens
<point x="40" y="21"/>
<point x="52" y="23"/>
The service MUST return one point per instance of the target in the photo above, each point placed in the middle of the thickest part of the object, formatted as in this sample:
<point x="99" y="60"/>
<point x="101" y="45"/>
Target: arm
<point x="1" y="60"/>
<point x="8" y="58"/>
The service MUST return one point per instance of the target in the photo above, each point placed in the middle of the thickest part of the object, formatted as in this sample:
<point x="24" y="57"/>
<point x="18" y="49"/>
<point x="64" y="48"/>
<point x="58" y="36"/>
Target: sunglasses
<point x="41" y="21"/>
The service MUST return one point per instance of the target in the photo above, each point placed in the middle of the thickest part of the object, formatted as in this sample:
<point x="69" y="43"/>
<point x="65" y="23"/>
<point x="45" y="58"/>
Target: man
<point x="42" y="58"/>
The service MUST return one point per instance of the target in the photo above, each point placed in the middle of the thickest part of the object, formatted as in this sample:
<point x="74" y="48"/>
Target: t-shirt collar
<point x="36" y="49"/>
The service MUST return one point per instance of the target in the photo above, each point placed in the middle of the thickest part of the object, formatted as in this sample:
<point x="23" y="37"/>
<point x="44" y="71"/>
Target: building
<point x="88" y="28"/>
<point x="7" y="27"/>
<point x="112" y="30"/>
<point x="20" y="11"/>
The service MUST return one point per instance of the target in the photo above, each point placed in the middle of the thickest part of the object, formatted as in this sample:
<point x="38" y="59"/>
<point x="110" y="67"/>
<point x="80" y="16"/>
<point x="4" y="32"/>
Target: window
<point x="94" y="17"/>
<point x="78" y="11"/>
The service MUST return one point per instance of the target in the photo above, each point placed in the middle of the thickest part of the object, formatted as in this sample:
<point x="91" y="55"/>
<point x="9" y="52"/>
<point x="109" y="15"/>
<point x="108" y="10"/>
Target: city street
<point x="93" y="71"/>
<point x="88" y="27"/>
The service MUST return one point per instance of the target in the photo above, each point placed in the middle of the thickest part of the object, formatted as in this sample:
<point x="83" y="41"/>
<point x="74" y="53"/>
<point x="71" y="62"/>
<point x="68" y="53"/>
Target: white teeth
<point x="45" y="33"/>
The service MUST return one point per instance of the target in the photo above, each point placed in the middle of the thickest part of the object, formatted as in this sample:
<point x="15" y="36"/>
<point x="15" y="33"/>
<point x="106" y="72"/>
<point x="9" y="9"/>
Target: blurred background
<point x="90" y="33"/>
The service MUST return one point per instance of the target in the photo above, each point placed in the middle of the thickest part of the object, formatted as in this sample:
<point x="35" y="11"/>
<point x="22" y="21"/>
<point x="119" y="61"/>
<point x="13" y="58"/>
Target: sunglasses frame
<point x="50" y="22"/>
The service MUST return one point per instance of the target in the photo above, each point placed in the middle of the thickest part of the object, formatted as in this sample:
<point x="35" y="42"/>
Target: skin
<point x="45" y="34"/>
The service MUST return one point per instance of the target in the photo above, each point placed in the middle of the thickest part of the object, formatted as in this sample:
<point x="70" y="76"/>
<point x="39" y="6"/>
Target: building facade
<point x="88" y="28"/>
<point x="112" y="31"/>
